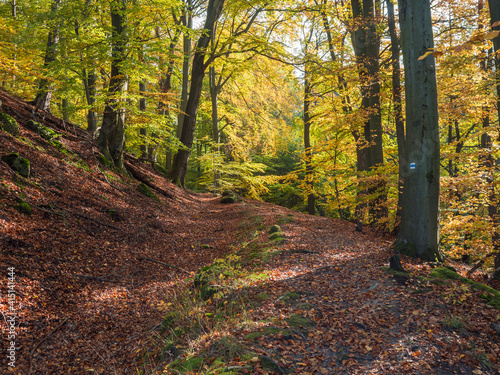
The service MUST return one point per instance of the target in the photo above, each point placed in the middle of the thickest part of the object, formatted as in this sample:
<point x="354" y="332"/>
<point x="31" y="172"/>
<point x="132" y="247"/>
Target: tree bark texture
<point x="89" y="83"/>
<point x="419" y="231"/>
<point x="44" y="94"/>
<point x="366" y="43"/>
<point x="186" y="63"/>
<point x="307" y="145"/>
<point x="142" y="130"/>
<point x="398" y="107"/>
<point x="179" y="167"/>
<point x="111" y="141"/>
<point x="494" y="6"/>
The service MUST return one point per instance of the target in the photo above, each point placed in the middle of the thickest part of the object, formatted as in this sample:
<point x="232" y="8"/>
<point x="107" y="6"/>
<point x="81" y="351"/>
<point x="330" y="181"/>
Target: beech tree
<point x="366" y="43"/>
<point x="111" y="139"/>
<point x="419" y="230"/>
<point x="494" y="6"/>
<point x="44" y="94"/>
<point x="199" y="67"/>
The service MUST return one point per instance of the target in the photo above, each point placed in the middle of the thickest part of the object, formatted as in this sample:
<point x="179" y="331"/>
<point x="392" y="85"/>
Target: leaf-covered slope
<point x="76" y="257"/>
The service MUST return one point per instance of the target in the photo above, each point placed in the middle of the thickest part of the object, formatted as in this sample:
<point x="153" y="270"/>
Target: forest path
<point x="338" y="311"/>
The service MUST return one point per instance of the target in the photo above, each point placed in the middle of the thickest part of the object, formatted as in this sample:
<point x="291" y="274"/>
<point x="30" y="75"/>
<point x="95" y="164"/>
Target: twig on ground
<point x="324" y="268"/>
<point x="478" y="264"/>
<point x="53" y="211"/>
<point x="140" y="177"/>
<point x="35" y="347"/>
<point x="101" y="278"/>
<point x="97" y="221"/>
<point x="302" y="251"/>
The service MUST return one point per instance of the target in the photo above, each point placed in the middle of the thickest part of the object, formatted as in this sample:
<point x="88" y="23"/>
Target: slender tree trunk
<point x="13" y="3"/>
<point x="14" y="16"/>
<point x="163" y="106"/>
<point x="44" y="94"/>
<point x="398" y="107"/>
<point x="111" y="141"/>
<point x="179" y="167"/>
<point x="419" y="232"/>
<point x="65" y="109"/>
<point x="346" y="103"/>
<point x="186" y="64"/>
<point x="494" y="6"/>
<point x="89" y="81"/>
<point x="89" y="84"/>
<point x="214" y="96"/>
<point x="307" y="144"/>
<point x="143" y="131"/>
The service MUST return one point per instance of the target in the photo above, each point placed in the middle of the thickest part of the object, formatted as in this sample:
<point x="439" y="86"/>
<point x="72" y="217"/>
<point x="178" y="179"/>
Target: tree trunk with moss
<point x="111" y="141"/>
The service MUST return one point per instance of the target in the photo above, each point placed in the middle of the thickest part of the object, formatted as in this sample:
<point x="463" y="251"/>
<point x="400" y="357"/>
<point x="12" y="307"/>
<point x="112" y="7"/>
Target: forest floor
<point x="104" y="280"/>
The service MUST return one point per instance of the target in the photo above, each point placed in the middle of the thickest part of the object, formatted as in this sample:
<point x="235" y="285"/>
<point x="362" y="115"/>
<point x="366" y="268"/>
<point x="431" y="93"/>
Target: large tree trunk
<point x="366" y="43"/>
<point x="398" y="108"/>
<point x="179" y="167"/>
<point x="111" y="141"/>
<point x="44" y="94"/>
<point x="419" y="232"/>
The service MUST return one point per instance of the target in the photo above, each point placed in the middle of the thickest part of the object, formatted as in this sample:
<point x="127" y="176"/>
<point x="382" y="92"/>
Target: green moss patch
<point x="490" y="295"/>
<point x="104" y="161"/>
<point x="276" y="235"/>
<point x="275" y="229"/>
<point x="229" y="197"/>
<point x="18" y="164"/>
<point x="445" y="273"/>
<point x="43" y="131"/>
<point x="267" y="331"/>
<point x="9" y="124"/>
<point x="299" y="321"/>
<point x="161" y="170"/>
<point x="146" y="190"/>
<point x="282" y="219"/>
<point x="23" y="208"/>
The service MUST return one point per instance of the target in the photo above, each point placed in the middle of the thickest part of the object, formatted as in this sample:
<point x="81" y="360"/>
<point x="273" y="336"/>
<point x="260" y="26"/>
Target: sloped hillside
<point x="84" y="256"/>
